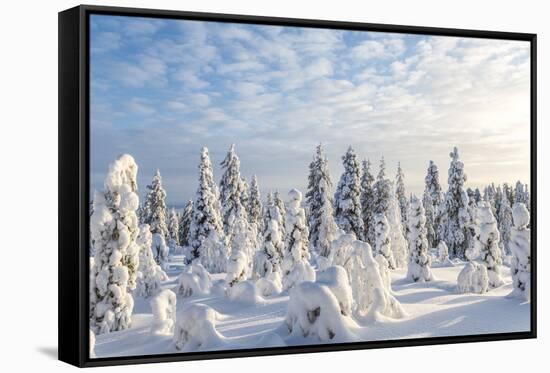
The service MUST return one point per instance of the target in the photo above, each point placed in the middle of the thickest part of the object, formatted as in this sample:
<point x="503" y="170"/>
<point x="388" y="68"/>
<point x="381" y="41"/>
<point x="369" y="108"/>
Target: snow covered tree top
<point x="382" y="170"/>
<point x="521" y="215"/>
<point x="122" y="173"/>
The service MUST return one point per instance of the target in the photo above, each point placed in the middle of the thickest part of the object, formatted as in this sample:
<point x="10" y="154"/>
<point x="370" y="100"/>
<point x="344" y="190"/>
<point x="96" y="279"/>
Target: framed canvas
<point x="235" y="186"/>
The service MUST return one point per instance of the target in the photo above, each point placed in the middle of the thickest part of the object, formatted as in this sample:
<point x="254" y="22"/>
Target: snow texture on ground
<point x="433" y="309"/>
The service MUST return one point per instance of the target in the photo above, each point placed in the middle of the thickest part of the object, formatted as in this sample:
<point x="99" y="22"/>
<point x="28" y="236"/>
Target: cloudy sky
<point x="162" y="89"/>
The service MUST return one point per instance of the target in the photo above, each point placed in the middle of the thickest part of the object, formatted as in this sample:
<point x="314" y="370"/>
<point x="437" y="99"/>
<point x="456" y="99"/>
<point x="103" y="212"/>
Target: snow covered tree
<point x="245" y="193"/>
<point x="520" y="246"/>
<point x="295" y="266"/>
<point x="156" y="206"/>
<point x="347" y="200"/>
<point x="231" y="190"/>
<point x="150" y="274"/>
<point x="322" y="227"/>
<point x="278" y="201"/>
<point x="430" y="219"/>
<point x="489" y="194"/>
<point x="114" y="229"/>
<point x="382" y="190"/>
<point x="399" y="244"/>
<point x="255" y="204"/>
<point x="367" y="202"/>
<point x="206" y="226"/>
<point x="477" y="196"/>
<point x="401" y="196"/>
<point x="382" y="241"/>
<point x="268" y="259"/>
<point x="522" y="195"/>
<point x="419" y="260"/>
<point x="173" y="229"/>
<point x="239" y="237"/>
<point x="456" y="217"/>
<point x="489" y="238"/>
<point x="185" y="223"/>
<point x="504" y="223"/>
<point x="433" y="193"/>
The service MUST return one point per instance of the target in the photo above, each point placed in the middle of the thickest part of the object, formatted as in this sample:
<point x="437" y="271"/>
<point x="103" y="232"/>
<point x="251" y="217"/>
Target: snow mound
<point x="163" y="306"/>
<point x="270" y="285"/>
<point x="314" y="312"/>
<point x="301" y="271"/>
<point x="473" y="279"/>
<point x="244" y="292"/>
<point x="443" y="259"/>
<point x="195" y="329"/>
<point x="365" y="275"/>
<point x="194" y="280"/>
<point x="237" y="268"/>
<point x="160" y="249"/>
<point x="336" y="279"/>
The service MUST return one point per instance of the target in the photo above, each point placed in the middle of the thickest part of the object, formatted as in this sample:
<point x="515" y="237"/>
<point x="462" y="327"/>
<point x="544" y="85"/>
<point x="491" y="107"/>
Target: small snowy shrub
<point x="369" y="280"/>
<point x="336" y="279"/>
<point x="270" y="285"/>
<point x="160" y="249"/>
<point x="195" y="329"/>
<point x="244" y="292"/>
<point x="237" y="268"/>
<point x="473" y="279"/>
<point x="301" y="271"/>
<point x="314" y="311"/>
<point x="488" y="243"/>
<point x="443" y="255"/>
<point x="520" y="245"/>
<point x="163" y="306"/>
<point x="419" y="260"/>
<point x="194" y="280"/>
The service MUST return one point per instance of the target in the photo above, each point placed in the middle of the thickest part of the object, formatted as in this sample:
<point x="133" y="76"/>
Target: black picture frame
<point x="74" y="183"/>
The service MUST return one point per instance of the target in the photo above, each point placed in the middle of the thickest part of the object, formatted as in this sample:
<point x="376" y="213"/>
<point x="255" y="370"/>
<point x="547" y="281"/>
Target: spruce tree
<point x="427" y="202"/>
<point x="348" y="197"/>
<point x="322" y="227"/>
<point x="278" y="201"/>
<point x="520" y="245"/>
<point x="295" y="266"/>
<point x="185" y="223"/>
<point x="456" y="217"/>
<point x="231" y="190"/>
<point x="114" y="229"/>
<point x="433" y="193"/>
<point x="255" y="204"/>
<point x="173" y="229"/>
<point x="206" y="224"/>
<point x="382" y="190"/>
<point x="156" y="207"/>
<point x="401" y="196"/>
<point x="367" y="202"/>
<point x="504" y="223"/>
<point x="245" y="193"/>
<point x="419" y="259"/>
<point x="235" y="219"/>
<point x="488" y="242"/>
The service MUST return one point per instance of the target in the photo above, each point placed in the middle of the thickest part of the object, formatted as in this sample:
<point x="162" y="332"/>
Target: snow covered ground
<point x="433" y="309"/>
